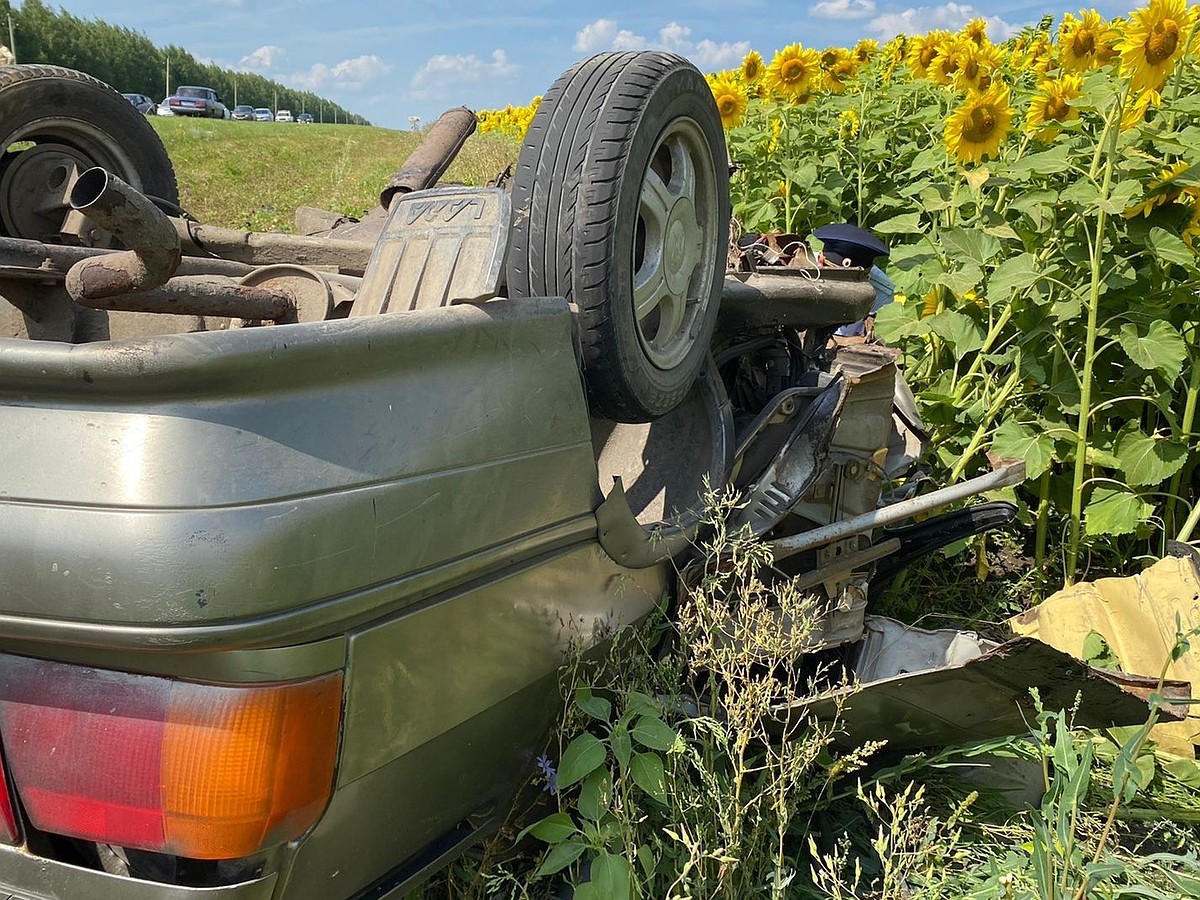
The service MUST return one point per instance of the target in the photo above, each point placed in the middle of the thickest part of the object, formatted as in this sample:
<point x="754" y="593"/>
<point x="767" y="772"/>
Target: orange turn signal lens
<point x="196" y="770"/>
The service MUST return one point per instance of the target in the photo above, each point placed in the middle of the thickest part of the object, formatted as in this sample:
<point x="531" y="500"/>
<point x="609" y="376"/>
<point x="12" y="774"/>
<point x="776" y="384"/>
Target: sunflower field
<point x="1042" y="202"/>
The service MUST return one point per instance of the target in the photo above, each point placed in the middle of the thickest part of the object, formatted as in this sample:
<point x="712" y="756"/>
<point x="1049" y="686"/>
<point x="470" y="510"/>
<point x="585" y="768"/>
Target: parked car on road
<point x="243" y="113"/>
<point x="305" y="118"/>
<point x="284" y="115"/>
<point x="262" y="114"/>
<point x="141" y="103"/>
<point x="197" y="101"/>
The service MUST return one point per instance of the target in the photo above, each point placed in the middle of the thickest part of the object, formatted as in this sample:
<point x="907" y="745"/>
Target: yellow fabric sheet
<point x="1137" y="617"/>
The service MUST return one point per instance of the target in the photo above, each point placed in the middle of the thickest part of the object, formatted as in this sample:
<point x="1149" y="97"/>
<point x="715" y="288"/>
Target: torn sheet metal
<point x="985" y="697"/>
<point x="1137" y="618"/>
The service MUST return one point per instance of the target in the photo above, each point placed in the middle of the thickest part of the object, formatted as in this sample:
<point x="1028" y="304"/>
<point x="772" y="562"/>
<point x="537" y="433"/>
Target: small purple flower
<point x="547" y="770"/>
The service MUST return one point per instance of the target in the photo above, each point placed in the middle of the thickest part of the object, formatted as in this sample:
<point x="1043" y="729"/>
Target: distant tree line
<point x="128" y="61"/>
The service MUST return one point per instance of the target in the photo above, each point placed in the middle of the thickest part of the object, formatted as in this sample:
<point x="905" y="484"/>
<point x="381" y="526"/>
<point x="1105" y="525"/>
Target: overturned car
<point x="298" y="529"/>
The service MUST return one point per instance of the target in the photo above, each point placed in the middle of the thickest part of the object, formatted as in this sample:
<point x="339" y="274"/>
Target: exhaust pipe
<point x="433" y="155"/>
<point x="136" y="222"/>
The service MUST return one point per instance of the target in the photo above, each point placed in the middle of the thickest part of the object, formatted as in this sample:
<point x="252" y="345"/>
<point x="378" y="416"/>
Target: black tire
<point x="71" y="119"/>
<point x="623" y="178"/>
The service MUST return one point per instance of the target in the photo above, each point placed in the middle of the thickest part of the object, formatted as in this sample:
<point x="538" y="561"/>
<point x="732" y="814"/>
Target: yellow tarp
<point x="1137" y="617"/>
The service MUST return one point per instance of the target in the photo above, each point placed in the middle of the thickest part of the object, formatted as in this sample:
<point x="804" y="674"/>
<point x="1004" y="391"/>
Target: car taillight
<point x="10" y="832"/>
<point x="197" y="770"/>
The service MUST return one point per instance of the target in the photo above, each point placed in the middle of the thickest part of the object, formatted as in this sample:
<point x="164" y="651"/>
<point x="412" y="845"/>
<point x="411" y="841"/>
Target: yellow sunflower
<point x="978" y="127"/>
<point x="865" y="50"/>
<point x="731" y="100"/>
<point x="848" y="124"/>
<point x="752" y="67"/>
<point x="1051" y="106"/>
<point x="976" y="32"/>
<point x="1080" y="40"/>
<point x="839" y="75"/>
<point x="950" y="57"/>
<point x="1154" y="39"/>
<point x="976" y="69"/>
<point x="923" y="50"/>
<point x="1162" y="190"/>
<point x="792" y="72"/>
<point x="773" y="141"/>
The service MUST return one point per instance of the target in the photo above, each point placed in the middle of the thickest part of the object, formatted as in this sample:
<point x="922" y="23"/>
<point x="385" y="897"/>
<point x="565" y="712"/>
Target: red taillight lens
<point x="196" y="770"/>
<point x="10" y="832"/>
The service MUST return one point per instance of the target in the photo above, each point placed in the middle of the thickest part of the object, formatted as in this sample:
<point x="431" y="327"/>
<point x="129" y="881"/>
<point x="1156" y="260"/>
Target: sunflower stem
<point x="1108" y="141"/>
<point x="1185" y="434"/>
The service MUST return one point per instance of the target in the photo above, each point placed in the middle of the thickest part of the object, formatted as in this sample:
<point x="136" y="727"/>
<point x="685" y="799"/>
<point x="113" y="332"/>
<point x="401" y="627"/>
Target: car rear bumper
<point x="27" y="877"/>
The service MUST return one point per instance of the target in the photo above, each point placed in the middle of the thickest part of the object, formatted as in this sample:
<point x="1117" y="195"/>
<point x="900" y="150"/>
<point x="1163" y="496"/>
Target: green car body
<point x="409" y="500"/>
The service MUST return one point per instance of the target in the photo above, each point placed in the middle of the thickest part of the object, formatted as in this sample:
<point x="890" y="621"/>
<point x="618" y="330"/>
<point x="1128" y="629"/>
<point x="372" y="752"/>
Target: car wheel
<point x="53" y="120"/>
<point x="621" y="205"/>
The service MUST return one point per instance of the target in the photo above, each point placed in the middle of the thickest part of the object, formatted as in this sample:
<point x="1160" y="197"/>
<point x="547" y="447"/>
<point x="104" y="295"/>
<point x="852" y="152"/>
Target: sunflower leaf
<point x="1160" y="347"/>
<point x="908" y="223"/>
<point x="1148" y="459"/>
<point x="1115" y="511"/>
<point x="959" y="331"/>
<point x="1011" y="276"/>
<point x="1012" y="439"/>
<point x="1169" y="248"/>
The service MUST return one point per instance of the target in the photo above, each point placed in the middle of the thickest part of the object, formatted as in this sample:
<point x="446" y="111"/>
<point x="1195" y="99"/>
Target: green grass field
<point x="253" y="175"/>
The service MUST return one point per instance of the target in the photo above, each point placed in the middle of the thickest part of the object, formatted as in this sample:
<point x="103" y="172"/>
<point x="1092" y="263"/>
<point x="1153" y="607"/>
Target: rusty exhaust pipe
<point x="426" y="164"/>
<point x="136" y="222"/>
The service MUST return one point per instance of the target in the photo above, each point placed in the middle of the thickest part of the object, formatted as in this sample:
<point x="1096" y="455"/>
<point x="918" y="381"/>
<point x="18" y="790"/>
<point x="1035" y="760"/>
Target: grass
<point x="253" y="175"/>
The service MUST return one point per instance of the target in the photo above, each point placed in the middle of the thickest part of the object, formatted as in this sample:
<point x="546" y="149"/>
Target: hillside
<point x="253" y="175"/>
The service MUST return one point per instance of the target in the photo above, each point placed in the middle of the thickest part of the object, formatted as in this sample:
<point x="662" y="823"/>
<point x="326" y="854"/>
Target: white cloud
<point x="843" y="9"/>
<point x="951" y="16"/>
<point x="351" y="74"/>
<point x="603" y="34"/>
<point x="449" y="69"/>
<point x="264" y="57"/>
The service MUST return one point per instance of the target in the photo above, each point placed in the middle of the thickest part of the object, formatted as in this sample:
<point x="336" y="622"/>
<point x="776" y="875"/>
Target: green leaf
<point x="649" y="775"/>
<point x="653" y="732"/>
<point x="961" y="332"/>
<point x="962" y="280"/>
<point x="559" y="857"/>
<point x="639" y="704"/>
<point x="1082" y="193"/>
<point x="622" y="747"/>
<point x="582" y="756"/>
<point x="1170" y="248"/>
<point x="646" y="861"/>
<point x="1120" y="197"/>
<point x="1014" y="440"/>
<point x="610" y="878"/>
<point x="595" y="795"/>
<point x="1160" y="347"/>
<point x="1097" y="652"/>
<point x="554" y="828"/>
<point x="970" y="244"/>
<point x="1185" y="771"/>
<point x="897" y="321"/>
<point x="1114" y="511"/>
<point x="908" y="223"/>
<point x="596" y="707"/>
<point x="1148" y="459"/>
<point x="1011" y="276"/>
<point x="1048" y="162"/>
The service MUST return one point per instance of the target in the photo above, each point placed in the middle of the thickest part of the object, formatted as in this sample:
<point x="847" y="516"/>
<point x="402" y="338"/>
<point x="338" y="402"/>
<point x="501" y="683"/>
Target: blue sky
<point x="392" y="61"/>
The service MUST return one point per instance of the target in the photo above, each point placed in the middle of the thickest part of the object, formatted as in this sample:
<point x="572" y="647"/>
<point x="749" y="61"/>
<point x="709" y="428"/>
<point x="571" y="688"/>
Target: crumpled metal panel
<point x="1137" y="617"/>
<point x="984" y="698"/>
